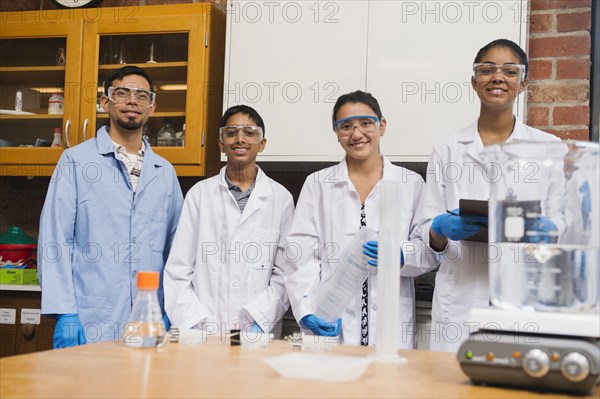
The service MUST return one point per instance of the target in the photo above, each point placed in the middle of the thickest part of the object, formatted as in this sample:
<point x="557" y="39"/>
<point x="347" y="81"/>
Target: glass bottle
<point x="166" y="135"/>
<point x="60" y="56"/>
<point x="146" y="328"/>
<point x="19" y="101"/>
<point x="122" y="54"/>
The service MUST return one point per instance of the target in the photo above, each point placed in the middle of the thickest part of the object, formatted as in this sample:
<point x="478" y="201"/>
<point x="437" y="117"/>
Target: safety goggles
<point x="487" y="70"/>
<point x="123" y="94"/>
<point x="249" y="132"/>
<point x="364" y="123"/>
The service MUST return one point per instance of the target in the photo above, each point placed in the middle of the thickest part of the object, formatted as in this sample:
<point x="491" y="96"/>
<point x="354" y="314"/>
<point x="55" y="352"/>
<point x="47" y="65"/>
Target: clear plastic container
<point x="56" y="104"/>
<point x="336" y="290"/>
<point x="544" y="225"/>
<point x="146" y="328"/>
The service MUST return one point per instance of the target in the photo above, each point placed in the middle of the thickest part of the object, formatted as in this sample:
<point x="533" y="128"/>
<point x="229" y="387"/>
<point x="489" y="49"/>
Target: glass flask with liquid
<point x="146" y="328"/>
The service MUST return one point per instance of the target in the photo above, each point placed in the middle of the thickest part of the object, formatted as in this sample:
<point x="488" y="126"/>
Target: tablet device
<point x="469" y="207"/>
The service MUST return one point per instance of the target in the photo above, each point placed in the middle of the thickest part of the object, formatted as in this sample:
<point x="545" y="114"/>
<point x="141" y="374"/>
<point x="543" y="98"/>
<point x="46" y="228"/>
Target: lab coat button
<point x="374" y="307"/>
<point x="234" y="284"/>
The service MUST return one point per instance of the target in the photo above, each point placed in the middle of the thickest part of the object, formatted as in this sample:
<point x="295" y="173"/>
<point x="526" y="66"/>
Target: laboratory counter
<point x="216" y="369"/>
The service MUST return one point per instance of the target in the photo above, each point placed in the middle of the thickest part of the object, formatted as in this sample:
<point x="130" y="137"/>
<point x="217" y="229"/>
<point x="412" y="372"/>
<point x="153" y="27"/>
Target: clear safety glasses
<point x="364" y="123"/>
<point x="123" y="94"/>
<point x="485" y="71"/>
<point x="253" y="134"/>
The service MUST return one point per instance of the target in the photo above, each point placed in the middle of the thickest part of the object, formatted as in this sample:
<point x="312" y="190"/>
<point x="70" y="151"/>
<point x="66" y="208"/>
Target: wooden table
<point x="216" y="369"/>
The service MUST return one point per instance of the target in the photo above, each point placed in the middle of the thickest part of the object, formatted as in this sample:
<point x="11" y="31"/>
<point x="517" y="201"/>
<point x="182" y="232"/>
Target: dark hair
<point x="518" y="51"/>
<point x="126" y="71"/>
<point x="246" y="110"/>
<point x="357" y="96"/>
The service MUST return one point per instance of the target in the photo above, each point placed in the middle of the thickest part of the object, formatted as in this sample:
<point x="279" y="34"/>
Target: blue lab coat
<point x="96" y="234"/>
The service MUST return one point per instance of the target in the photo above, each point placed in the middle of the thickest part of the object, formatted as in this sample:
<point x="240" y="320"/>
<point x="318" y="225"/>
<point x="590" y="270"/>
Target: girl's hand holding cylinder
<point x="371" y="249"/>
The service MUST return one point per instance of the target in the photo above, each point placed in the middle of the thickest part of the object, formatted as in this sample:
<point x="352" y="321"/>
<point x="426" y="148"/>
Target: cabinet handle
<point x="203" y="135"/>
<point x="28" y="329"/>
<point x="67" y="126"/>
<point x="86" y="122"/>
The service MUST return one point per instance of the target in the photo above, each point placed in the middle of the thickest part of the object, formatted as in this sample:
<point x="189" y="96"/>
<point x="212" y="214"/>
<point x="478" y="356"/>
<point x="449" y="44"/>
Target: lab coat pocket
<point x="259" y="277"/>
<point x="261" y="263"/>
<point x="158" y="231"/>
<point x="443" y="297"/>
<point x="95" y="314"/>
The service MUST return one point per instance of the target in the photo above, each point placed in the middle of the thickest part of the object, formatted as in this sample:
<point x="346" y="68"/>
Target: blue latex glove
<point x="320" y="326"/>
<point x="541" y="230"/>
<point x="166" y="321"/>
<point x="586" y="204"/>
<point x="255" y="328"/>
<point x="68" y="331"/>
<point x="457" y="227"/>
<point x="371" y="249"/>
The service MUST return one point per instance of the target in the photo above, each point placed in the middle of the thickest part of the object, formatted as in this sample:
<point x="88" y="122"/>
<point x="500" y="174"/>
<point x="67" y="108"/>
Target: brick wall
<point x="559" y="51"/>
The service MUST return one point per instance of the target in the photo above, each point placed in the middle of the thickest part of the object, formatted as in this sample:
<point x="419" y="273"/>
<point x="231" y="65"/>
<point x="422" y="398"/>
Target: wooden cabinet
<point x="20" y="332"/>
<point x="180" y="46"/>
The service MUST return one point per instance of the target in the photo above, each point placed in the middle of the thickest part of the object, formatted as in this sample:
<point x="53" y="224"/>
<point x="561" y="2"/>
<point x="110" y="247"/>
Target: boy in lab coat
<point x="221" y="274"/>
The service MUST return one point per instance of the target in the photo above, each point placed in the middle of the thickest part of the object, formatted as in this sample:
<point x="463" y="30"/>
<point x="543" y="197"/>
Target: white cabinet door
<point x="291" y="60"/>
<point x="419" y="65"/>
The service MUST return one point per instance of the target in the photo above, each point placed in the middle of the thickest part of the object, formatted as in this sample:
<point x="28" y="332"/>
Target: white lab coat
<point x="456" y="170"/>
<point x="221" y="273"/>
<point x="327" y="216"/>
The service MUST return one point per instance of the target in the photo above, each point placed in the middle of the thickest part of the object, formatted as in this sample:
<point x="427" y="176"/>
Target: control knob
<point x="536" y="363"/>
<point x="575" y="367"/>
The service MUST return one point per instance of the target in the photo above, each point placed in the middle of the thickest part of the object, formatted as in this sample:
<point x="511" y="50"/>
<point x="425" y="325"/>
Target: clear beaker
<point x="336" y="290"/>
<point x="544" y="225"/>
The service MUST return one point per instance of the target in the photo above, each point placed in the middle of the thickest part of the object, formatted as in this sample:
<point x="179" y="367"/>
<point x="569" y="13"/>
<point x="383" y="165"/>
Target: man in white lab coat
<point x="221" y="274"/>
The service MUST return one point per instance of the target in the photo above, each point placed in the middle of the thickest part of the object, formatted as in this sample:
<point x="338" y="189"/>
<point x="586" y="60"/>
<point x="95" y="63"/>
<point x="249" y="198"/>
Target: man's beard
<point x="131" y="124"/>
